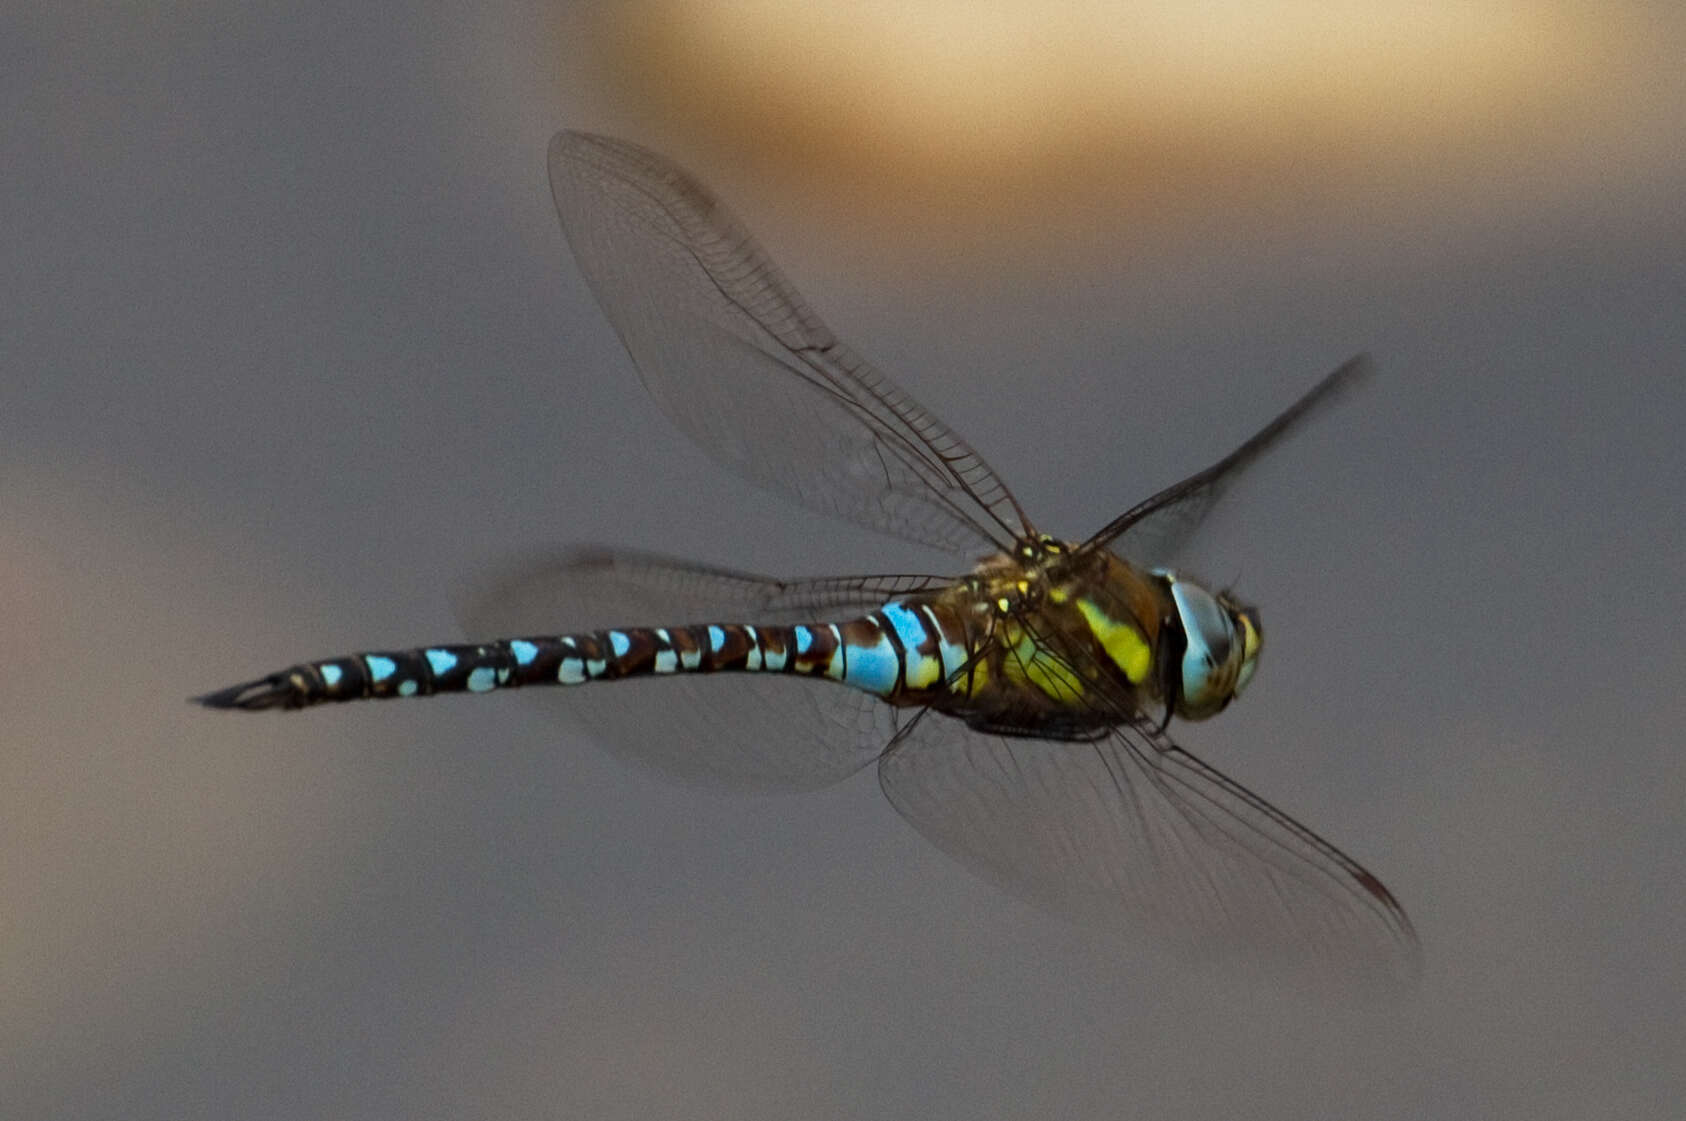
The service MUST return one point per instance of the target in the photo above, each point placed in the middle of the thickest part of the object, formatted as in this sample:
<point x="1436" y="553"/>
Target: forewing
<point x="737" y="730"/>
<point x="1154" y="531"/>
<point x="1132" y="829"/>
<point x="740" y="362"/>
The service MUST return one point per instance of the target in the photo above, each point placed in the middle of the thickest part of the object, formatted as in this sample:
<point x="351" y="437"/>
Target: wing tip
<point x="1349" y="375"/>
<point x="569" y="140"/>
<point x="622" y="158"/>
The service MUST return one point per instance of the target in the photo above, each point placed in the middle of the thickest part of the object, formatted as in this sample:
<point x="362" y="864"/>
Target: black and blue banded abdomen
<point x="896" y="652"/>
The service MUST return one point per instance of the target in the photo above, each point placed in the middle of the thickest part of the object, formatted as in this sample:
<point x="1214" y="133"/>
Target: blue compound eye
<point x="1214" y="653"/>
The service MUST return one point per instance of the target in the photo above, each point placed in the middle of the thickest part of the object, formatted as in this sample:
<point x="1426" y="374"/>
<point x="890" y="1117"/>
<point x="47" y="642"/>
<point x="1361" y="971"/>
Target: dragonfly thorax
<point x="1011" y="583"/>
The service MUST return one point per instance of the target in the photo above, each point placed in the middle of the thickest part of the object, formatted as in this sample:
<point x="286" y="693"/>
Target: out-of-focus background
<point x="291" y="349"/>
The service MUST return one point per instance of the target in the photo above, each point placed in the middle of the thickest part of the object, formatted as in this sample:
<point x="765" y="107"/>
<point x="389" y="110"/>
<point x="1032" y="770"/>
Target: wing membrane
<point x="738" y="730"/>
<point x="1128" y="827"/>
<point x="1132" y="828"/>
<point x="1153" y="531"/>
<point x="740" y="362"/>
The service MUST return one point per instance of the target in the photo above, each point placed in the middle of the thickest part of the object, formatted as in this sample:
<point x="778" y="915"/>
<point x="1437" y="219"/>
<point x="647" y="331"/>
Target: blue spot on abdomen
<point x="873" y="668"/>
<point x="906" y="624"/>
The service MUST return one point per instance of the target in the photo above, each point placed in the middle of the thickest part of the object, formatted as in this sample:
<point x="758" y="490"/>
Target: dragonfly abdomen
<point x="897" y="649"/>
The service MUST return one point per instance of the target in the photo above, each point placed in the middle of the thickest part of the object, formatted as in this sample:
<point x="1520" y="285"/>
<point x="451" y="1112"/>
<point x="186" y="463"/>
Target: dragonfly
<point x="1018" y="714"/>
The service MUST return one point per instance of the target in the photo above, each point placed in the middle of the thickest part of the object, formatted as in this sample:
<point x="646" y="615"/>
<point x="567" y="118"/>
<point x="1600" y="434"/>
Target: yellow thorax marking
<point x="1025" y="660"/>
<point x="1122" y="641"/>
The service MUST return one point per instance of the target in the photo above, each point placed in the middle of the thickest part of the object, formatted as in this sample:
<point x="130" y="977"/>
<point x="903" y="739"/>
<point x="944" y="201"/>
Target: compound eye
<point x="1210" y="663"/>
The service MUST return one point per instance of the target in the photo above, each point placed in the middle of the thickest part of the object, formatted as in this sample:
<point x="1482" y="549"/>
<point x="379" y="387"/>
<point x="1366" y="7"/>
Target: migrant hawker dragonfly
<point x="1017" y="714"/>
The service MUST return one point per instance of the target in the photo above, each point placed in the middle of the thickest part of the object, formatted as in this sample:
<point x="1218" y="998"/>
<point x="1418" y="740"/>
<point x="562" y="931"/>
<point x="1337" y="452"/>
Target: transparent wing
<point x="738" y="360"/>
<point x="590" y="584"/>
<point x="1133" y="829"/>
<point x="735" y="730"/>
<point x="1153" y="531"/>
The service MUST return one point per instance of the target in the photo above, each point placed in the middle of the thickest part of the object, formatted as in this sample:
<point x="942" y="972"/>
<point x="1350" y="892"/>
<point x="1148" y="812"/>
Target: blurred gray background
<point x="291" y="349"/>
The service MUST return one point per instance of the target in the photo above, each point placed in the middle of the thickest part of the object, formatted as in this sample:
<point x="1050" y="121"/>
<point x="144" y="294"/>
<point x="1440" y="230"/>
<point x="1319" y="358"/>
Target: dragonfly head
<point x="1221" y="638"/>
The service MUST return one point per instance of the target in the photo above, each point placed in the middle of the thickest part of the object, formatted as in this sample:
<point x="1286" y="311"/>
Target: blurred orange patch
<point x="980" y="105"/>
